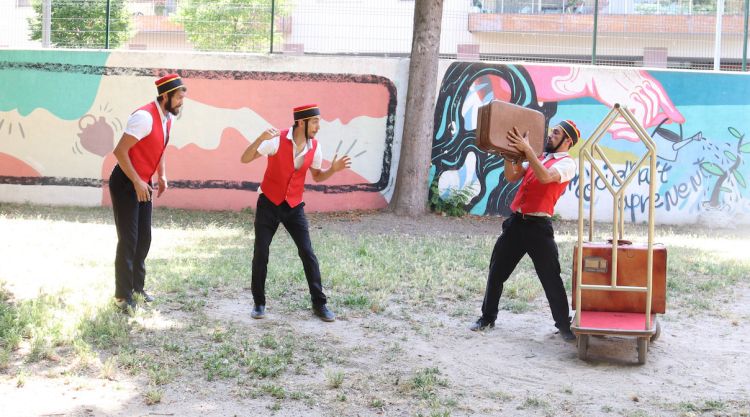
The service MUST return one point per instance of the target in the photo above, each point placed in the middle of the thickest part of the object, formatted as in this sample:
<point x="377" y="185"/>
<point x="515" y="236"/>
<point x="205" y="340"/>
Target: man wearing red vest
<point x="529" y="229"/>
<point x="140" y="154"/>
<point x="291" y="153"/>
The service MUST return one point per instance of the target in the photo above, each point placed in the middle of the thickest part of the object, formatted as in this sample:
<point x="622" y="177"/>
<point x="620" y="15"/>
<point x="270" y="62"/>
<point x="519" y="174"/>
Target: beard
<point x="309" y="131"/>
<point x="549" y="147"/>
<point x="174" y="110"/>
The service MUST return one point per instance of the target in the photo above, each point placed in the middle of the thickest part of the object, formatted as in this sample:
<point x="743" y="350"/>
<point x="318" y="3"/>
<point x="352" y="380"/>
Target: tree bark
<point x="410" y="194"/>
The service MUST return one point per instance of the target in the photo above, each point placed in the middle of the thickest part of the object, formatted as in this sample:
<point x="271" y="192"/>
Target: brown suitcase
<point x="631" y="271"/>
<point x="496" y="118"/>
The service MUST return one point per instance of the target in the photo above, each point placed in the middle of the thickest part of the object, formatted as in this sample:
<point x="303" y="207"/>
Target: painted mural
<point x="698" y="120"/>
<point x="61" y="114"/>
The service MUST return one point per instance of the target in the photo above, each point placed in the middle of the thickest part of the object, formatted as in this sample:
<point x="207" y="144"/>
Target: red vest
<point x="281" y="181"/>
<point x="534" y="197"/>
<point x="146" y="154"/>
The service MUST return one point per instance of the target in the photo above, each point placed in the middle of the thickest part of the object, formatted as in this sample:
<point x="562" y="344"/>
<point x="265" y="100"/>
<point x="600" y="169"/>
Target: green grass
<point x="153" y="396"/>
<point x="198" y="253"/>
<point x="104" y="327"/>
<point x="275" y="391"/>
<point x="334" y="379"/>
<point x="426" y="382"/>
<point x="707" y="406"/>
<point x="60" y="309"/>
<point x="426" y="385"/>
<point x="501" y="396"/>
<point x="377" y="403"/>
<point x="11" y="327"/>
<point x="533" y="402"/>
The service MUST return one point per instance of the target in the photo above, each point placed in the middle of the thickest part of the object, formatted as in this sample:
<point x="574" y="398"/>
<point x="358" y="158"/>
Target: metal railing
<point x="655" y="33"/>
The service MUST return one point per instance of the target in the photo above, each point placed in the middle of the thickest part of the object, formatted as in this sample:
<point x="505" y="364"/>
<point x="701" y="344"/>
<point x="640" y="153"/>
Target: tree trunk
<point x="410" y="194"/>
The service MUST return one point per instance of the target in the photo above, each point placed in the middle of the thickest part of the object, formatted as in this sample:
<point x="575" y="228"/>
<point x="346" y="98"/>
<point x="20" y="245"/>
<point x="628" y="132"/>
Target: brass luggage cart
<point x="614" y="280"/>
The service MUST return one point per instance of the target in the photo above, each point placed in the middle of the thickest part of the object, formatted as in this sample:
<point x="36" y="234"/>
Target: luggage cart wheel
<point x="583" y="346"/>
<point x="657" y="333"/>
<point x="642" y="349"/>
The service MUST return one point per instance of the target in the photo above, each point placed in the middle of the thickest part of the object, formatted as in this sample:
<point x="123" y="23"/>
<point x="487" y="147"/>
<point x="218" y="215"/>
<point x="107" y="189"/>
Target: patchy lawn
<point x="404" y="291"/>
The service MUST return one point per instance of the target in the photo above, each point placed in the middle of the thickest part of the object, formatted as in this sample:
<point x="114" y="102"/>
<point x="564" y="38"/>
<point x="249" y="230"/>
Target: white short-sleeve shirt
<point x="140" y="122"/>
<point x="271" y="146"/>
<point x="566" y="167"/>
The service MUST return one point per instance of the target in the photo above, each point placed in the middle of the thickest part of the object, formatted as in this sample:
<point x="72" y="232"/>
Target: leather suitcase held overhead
<point x="496" y="118"/>
<point x="631" y="271"/>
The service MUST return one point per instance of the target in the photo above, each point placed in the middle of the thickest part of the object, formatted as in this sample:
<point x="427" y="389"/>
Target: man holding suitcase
<point x="529" y="229"/>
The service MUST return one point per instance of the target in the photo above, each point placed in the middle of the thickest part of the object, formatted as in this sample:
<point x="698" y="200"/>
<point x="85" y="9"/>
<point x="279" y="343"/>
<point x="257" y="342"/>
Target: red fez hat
<point x="168" y="83"/>
<point x="306" y="112"/>
<point x="571" y="130"/>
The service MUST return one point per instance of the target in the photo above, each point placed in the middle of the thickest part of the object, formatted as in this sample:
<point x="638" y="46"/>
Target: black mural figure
<point x="451" y="146"/>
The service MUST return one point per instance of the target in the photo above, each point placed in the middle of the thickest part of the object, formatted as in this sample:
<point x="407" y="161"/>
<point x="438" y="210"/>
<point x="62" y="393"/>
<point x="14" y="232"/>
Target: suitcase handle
<point x="621" y="242"/>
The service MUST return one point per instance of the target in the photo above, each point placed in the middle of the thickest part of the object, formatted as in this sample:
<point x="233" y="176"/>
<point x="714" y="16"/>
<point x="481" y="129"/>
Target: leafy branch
<point x="713" y="169"/>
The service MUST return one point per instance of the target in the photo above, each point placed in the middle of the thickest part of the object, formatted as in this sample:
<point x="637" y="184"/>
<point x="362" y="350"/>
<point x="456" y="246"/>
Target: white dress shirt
<point x="566" y="168"/>
<point x="271" y="146"/>
<point x="140" y="123"/>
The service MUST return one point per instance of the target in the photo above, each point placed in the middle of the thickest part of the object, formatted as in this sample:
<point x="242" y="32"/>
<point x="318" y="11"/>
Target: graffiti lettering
<point x="637" y="203"/>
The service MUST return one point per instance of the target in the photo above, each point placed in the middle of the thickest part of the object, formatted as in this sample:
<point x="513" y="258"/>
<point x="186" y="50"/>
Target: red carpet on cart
<point x="615" y="321"/>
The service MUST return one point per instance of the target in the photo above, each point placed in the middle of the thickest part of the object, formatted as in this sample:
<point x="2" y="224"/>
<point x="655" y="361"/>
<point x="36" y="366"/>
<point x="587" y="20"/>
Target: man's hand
<point x="521" y="143"/>
<point x="251" y="152"/>
<point x="633" y="89"/>
<point x="269" y="134"/>
<point x="142" y="191"/>
<point x="339" y="164"/>
<point x="336" y="165"/>
<point x="162" y="186"/>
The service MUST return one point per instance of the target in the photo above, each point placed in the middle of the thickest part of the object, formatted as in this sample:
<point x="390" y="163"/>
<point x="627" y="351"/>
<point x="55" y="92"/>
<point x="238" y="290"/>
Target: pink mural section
<point x="274" y="99"/>
<point x="195" y="169"/>
<point x="12" y="166"/>
<point x="214" y="179"/>
<point x="637" y="89"/>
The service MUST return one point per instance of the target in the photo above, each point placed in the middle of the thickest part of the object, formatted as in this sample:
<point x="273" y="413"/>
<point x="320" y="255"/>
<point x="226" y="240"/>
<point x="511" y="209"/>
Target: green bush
<point x="11" y="325"/>
<point x="82" y="24"/>
<point x="454" y="205"/>
<point x="229" y="25"/>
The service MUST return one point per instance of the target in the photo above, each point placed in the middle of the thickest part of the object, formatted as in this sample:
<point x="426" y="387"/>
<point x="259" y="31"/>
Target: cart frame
<point x="587" y="153"/>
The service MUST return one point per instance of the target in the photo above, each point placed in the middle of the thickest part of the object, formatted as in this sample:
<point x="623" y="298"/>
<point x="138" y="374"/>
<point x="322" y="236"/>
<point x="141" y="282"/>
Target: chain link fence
<point x="651" y="33"/>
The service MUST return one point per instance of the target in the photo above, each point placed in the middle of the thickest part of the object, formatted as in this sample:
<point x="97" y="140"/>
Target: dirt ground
<point x="698" y="367"/>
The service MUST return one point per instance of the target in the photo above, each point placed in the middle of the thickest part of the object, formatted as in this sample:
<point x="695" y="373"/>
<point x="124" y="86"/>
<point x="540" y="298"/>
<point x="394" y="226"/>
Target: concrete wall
<point x="61" y="113"/>
<point x="697" y="119"/>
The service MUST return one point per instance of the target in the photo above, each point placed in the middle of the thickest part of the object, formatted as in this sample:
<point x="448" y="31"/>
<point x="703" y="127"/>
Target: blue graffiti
<point x="712" y="181"/>
<point x="465" y="87"/>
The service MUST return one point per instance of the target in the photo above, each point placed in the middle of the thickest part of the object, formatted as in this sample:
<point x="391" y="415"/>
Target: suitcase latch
<point x="594" y="264"/>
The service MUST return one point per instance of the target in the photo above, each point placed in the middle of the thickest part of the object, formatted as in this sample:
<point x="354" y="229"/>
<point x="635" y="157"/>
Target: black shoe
<point x="259" y="312"/>
<point x="324" y="313"/>
<point x="567" y="335"/>
<point x="481" y="325"/>
<point x="146" y="296"/>
<point x="127" y="305"/>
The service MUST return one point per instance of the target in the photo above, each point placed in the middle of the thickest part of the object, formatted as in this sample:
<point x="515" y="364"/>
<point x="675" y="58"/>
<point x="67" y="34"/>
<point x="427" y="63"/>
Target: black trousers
<point x="133" y="223"/>
<point x="267" y="218"/>
<point x="519" y="237"/>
